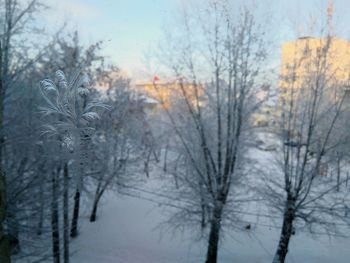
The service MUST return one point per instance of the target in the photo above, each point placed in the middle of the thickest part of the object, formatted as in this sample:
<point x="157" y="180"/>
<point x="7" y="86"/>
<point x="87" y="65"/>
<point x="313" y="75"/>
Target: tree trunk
<point x="54" y="220"/>
<point x="94" y="210"/>
<point x="96" y="200"/>
<point x="203" y="207"/>
<point x="74" y="228"/>
<point x="165" y="157"/>
<point x="41" y="209"/>
<point x="338" y="174"/>
<point x="146" y="164"/>
<point x="13" y="230"/>
<point x="213" y="241"/>
<point x="5" y="256"/>
<point x="65" y="215"/>
<point x="286" y="233"/>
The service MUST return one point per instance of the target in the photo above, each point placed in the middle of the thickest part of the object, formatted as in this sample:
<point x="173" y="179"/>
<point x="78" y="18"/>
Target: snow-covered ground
<point x="126" y="232"/>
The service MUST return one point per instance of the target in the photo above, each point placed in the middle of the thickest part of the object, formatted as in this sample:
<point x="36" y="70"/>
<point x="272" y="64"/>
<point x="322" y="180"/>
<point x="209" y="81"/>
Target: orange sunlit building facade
<point x="164" y="94"/>
<point x="309" y="58"/>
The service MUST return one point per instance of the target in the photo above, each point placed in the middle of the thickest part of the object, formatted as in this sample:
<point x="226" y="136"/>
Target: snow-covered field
<point x="126" y="232"/>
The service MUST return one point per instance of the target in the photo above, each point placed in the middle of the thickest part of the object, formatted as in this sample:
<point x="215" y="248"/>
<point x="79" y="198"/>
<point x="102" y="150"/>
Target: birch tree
<point x="117" y="145"/>
<point x="312" y="105"/>
<point x="216" y="81"/>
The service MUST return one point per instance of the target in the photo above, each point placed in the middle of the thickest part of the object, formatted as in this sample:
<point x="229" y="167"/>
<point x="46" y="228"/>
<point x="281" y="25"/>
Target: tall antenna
<point x="330" y="13"/>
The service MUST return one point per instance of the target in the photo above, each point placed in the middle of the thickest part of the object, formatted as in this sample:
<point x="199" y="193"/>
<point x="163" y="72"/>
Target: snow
<point x="127" y="231"/>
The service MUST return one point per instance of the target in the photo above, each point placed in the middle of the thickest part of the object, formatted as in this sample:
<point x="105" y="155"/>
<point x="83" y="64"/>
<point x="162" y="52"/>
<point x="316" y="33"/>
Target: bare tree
<point x="211" y="120"/>
<point x="117" y="145"/>
<point x="312" y="103"/>
<point x="14" y="16"/>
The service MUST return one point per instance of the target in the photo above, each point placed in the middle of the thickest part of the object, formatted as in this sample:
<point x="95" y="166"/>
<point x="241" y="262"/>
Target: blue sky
<point x="129" y="28"/>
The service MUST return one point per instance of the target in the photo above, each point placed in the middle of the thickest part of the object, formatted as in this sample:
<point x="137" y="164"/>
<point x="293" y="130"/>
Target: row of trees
<point x="219" y="59"/>
<point x="64" y="140"/>
<point x="61" y="139"/>
<point x="13" y="20"/>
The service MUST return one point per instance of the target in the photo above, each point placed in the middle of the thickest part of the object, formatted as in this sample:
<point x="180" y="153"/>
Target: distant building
<point x="308" y="58"/>
<point x="164" y="94"/>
